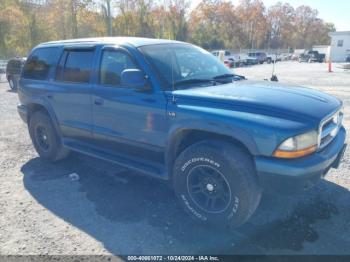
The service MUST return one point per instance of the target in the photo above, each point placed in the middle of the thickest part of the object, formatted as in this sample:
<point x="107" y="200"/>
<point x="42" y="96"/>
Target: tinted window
<point x="40" y="62"/>
<point x="75" y="66"/>
<point x="112" y="65"/>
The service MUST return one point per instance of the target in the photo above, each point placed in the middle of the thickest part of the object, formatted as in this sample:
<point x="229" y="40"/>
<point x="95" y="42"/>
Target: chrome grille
<point x="329" y="129"/>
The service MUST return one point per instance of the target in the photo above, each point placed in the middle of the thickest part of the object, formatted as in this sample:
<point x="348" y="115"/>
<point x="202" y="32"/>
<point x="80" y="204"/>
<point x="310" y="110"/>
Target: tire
<point x="217" y="170"/>
<point x="45" y="139"/>
<point x="12" y="83"/>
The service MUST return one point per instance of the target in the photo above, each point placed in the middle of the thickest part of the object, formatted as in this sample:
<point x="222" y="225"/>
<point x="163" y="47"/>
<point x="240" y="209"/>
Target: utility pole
<point x="109" y="18"/>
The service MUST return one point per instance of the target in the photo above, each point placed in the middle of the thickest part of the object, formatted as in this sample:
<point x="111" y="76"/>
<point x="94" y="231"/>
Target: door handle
<point x="98" y="101"/>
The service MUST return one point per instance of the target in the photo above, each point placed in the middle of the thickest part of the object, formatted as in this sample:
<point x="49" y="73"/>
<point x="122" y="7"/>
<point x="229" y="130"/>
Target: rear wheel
<point x="45" y="138"/>
<point x="216" y="183"/>
<point x="12" y="83"/>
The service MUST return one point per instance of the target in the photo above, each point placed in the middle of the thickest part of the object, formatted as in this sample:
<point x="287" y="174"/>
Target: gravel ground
<point x="113" y="211"/>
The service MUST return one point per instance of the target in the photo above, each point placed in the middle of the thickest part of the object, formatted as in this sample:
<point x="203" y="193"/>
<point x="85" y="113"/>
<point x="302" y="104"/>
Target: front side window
<point x="75" y="66"/>
<point x="176" y="63"/>
<point x="113" y="63"/>
<point x="40" y="62"/>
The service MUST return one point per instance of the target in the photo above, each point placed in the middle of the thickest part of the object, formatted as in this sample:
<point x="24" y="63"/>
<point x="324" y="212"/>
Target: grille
<point x="329" y="129"/>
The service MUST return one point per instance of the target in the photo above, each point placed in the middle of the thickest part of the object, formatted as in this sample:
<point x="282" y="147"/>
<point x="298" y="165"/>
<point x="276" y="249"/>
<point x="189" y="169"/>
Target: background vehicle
<point x="230" y="59"/>
<point x="277" y="57"/>
<point x="229" y="63"/>
<point x="312" y="56"/>
<point x="171" y="110"/>
<point x="261" y="57"/>
<point x="285" y="56"/>
<point x="3" y="64"/>
<point x="13" y="71"/>
<point x="248" y="60"/>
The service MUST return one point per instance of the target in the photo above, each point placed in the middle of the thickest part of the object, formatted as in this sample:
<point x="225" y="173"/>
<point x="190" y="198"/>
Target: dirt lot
<point x="110" y="210"/>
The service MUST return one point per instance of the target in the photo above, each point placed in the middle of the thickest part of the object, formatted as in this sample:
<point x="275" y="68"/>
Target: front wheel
<point x="216" y="183"/>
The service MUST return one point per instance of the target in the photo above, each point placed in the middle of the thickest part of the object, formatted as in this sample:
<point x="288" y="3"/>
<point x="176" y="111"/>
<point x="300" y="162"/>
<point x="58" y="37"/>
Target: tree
<point x="107" y="14"/>
<point x="213" y="24"/>
<point x="280" y="19"/>
<point x="253" y="21"/>
<point x="204" y="27"/>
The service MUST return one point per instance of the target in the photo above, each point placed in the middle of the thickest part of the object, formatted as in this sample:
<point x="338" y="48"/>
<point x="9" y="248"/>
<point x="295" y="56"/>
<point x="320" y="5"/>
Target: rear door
<point x="71" y="93"/>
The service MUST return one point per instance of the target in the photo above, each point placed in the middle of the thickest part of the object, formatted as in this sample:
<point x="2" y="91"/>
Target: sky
<point x="336" y="11"/>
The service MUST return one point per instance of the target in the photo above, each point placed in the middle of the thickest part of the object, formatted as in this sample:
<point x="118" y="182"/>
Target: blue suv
<point x="171" y="110"/>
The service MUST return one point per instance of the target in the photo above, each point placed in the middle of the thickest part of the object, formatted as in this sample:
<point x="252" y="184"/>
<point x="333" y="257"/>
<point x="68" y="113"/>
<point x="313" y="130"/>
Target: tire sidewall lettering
<point x="199" y="159"/>
<point x="192" y="210"/>
<point x="234" y="207"/>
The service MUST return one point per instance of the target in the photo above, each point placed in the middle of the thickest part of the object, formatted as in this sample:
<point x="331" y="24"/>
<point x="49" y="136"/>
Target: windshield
<point x="183" y="63"/>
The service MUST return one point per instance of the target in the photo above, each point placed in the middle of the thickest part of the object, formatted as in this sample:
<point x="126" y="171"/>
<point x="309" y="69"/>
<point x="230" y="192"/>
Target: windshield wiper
<point x="193" y="81"/>
<point x="235" y="77"/>
<point x="223" y="76"/>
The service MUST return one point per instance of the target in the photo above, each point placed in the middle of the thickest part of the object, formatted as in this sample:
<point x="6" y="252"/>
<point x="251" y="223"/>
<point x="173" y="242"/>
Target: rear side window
<point x="40" y="62"/>
<point x="75" y="66"/>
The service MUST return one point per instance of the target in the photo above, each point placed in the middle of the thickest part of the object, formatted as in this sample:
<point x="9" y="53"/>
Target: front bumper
<point x="292" y="175"/>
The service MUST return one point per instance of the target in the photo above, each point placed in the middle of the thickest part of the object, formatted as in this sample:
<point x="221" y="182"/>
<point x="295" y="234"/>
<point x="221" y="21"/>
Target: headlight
<point x="298" y="146"/>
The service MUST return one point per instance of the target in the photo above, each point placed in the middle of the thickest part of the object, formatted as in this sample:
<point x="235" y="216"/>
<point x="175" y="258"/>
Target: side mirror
<point x="133" y="78"/>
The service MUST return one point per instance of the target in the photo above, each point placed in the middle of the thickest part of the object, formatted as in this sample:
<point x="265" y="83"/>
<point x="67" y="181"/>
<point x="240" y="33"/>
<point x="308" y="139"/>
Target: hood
<point x="264" y="97"/>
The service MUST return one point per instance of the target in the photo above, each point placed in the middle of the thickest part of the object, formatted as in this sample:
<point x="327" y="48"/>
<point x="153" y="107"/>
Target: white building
<point x="340" y="46"/>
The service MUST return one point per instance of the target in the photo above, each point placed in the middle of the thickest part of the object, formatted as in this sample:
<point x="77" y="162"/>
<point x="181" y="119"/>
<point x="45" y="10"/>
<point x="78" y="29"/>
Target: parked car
<point x="274" y="58"/>
<point x="229" y="63"/>
<point x="227" y="54"/>
<point x="295" y="56"/>
<point x="13" y="70"/>
<point x="3" y="64"/>
<point x="171" y="110"/>
<point x="312" y="56"/>
<point x="248" y="60"/>
<point x="261" y="57"/>
<point x="286" y="56"/>
<point x="347" y="58"/>
<point x="303" y="58"/>
<point x="231" y="60"/>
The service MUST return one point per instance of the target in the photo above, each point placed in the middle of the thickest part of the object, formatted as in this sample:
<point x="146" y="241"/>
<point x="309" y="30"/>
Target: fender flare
<point x="46" y="105"/>
<point x="236" y="133"/>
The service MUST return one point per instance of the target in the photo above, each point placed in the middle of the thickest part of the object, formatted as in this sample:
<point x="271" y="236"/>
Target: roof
<point x="135" y="41"/>
<point x="339" y="33"/>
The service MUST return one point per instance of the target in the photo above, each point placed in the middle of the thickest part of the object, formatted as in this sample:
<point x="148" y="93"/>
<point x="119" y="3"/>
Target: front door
<point x="126" y="118"/>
